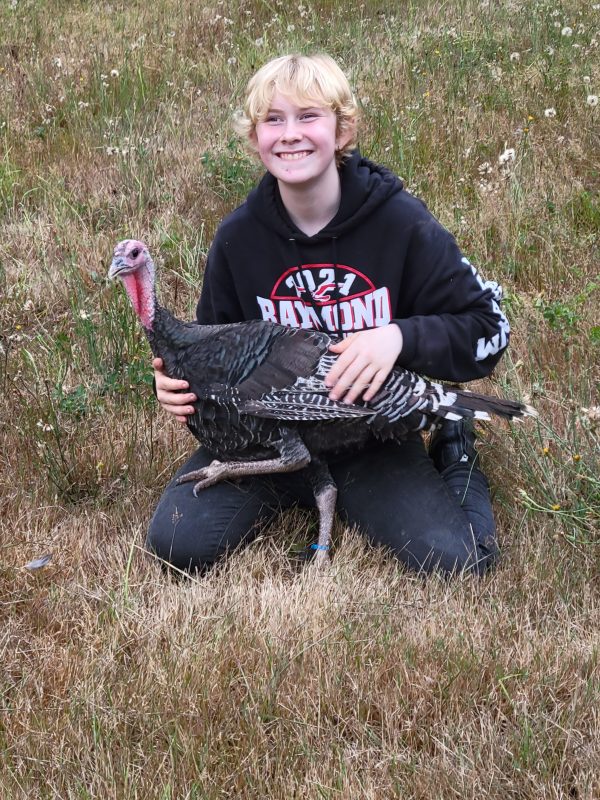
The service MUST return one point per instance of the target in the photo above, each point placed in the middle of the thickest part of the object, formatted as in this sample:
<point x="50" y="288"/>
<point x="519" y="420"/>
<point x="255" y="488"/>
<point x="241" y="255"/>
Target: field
<point x="264" y="679"/>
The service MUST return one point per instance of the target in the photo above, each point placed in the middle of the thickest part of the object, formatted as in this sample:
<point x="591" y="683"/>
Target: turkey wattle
<point x="263" y="406"/>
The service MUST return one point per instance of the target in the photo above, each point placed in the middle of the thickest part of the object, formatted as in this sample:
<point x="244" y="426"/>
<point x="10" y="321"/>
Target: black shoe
<point x="453" y="443"/>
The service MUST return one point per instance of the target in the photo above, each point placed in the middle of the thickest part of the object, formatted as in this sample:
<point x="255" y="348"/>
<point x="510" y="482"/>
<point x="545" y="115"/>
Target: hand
<point x="366" y="359"/>
<point x="170" y="393"/>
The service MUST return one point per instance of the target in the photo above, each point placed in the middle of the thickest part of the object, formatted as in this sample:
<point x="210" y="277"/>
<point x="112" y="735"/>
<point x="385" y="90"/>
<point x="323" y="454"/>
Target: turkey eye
<point x="135" y="252"/>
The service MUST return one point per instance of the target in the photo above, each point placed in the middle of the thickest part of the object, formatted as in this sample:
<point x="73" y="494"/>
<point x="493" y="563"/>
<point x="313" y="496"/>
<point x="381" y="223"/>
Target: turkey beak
<point x="119" y="265"/>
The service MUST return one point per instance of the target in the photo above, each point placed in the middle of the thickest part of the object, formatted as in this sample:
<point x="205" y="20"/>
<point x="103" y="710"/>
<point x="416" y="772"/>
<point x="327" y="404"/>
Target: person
<point x="330" y="240"/>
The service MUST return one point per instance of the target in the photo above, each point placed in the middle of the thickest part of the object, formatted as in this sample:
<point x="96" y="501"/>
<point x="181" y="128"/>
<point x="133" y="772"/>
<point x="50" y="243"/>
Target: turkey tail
<point x="481" y="406"/>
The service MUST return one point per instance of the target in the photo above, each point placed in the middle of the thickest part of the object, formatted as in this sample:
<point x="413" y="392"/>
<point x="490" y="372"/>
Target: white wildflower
<point x="45" y="426"/>
<point x="592" y="100"/>
<point x="232" y="60"/>
<point x="592" y="413"/>
<point x="114" y="73"/>
<point x="57" y="62"/>
<point x="549" y="50"/>
<point x="81" y="105"/>
<point x="28" y="305"/>
<point x="485" y="168"/>
<point x="566" y="31"/>
<point x="586" y="79"/>
<point x="550" y="112"/>
<point x="507" y="156"/>
<point x="112" y="151"/>
<point x="259" y="42"/>
<point x="515" y="57"/>
<point x="83" y="314"/>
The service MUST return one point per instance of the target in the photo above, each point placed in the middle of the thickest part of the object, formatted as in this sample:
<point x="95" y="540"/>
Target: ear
<point x="346" y="135"/>
<point x="253" y="140"/>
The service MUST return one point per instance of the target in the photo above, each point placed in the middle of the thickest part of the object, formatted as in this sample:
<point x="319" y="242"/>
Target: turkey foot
<point x="293" y="456"/>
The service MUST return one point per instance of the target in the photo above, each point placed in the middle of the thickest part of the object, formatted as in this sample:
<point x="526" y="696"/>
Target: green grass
<point x="263" y="679"/>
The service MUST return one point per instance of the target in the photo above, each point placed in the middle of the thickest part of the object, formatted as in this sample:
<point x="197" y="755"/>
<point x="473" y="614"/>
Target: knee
<point x="449" y="552"/>
<point x="179" y="545"/>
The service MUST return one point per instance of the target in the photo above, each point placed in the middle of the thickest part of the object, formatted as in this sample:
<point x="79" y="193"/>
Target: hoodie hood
<point x="365" y="187"/>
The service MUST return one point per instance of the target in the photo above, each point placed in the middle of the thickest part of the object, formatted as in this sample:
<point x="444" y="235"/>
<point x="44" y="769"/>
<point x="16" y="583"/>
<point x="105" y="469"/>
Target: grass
<point x="263" y="679"/>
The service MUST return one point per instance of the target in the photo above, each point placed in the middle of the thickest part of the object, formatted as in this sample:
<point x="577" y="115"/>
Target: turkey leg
<point x="293" y="456"/>
<point x="325" y="492"/>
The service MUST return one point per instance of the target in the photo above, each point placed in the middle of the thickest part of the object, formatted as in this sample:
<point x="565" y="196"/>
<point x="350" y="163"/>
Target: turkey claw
<point x="205" y="477"/>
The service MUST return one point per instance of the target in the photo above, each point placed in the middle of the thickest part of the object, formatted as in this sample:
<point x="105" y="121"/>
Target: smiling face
<point x="297" y="143"/>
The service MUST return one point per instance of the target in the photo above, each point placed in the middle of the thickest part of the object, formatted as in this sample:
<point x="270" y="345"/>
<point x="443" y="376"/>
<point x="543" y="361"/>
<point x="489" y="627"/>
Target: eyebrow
<point x="302" y="108"/>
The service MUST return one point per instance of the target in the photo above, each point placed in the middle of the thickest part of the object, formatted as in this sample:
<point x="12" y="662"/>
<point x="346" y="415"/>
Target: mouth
<point x="294" y="156"/>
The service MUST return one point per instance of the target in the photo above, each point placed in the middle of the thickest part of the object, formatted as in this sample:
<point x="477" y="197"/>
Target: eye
<point x="135" y="252"/>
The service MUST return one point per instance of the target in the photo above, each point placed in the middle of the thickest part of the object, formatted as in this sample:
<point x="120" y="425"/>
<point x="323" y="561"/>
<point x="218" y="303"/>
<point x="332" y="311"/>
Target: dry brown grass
<point x="264" y="679"/>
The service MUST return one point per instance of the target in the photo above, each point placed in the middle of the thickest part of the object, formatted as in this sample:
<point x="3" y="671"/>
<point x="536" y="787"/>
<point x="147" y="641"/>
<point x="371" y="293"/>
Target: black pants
<point x="391" y="492"/>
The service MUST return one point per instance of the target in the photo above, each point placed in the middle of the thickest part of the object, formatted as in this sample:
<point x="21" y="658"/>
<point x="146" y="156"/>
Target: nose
<point x="290" y="132"/>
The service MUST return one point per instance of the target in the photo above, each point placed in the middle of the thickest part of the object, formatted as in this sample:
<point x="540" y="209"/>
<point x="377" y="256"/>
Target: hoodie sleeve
<point x="219" y="303"/>
<point x="455" y="329"/>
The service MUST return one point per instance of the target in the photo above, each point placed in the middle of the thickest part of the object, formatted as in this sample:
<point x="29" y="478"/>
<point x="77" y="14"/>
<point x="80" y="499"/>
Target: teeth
<point x="293" y="156"/>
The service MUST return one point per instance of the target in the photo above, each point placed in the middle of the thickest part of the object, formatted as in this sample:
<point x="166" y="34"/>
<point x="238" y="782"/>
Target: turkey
<point x="263" y="406"/>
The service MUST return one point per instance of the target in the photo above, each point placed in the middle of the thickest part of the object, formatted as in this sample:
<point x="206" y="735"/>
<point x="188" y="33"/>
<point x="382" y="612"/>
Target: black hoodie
<point x="383" y="258"/>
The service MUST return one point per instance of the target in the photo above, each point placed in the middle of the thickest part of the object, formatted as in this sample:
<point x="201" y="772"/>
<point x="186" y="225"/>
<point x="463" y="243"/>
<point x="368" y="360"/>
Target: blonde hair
<point x="306" y="80"/>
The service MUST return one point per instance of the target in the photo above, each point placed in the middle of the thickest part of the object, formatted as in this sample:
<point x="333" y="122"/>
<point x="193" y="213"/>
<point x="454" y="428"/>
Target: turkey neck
<point x="140" y="289"/>
<point x="179" y="344"/>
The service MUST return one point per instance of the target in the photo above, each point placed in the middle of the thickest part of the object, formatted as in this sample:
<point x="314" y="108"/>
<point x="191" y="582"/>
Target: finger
<point x="178" y="411"/>
<point x="340" y="376"/>
<point x="359" y="385"/>
<point x="339" y="368"/>
<point x="376" y="384"/>
<point x="339" y="347"/>
<point x="157" y="363"/>
<point x="347" y="379"/>
<point x="166" y="384"/>
<point x="175" y="399"/>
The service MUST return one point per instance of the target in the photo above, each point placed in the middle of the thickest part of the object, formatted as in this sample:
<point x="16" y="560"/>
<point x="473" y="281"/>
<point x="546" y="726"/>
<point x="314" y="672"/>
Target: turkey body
<point x="253" y="379"/>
